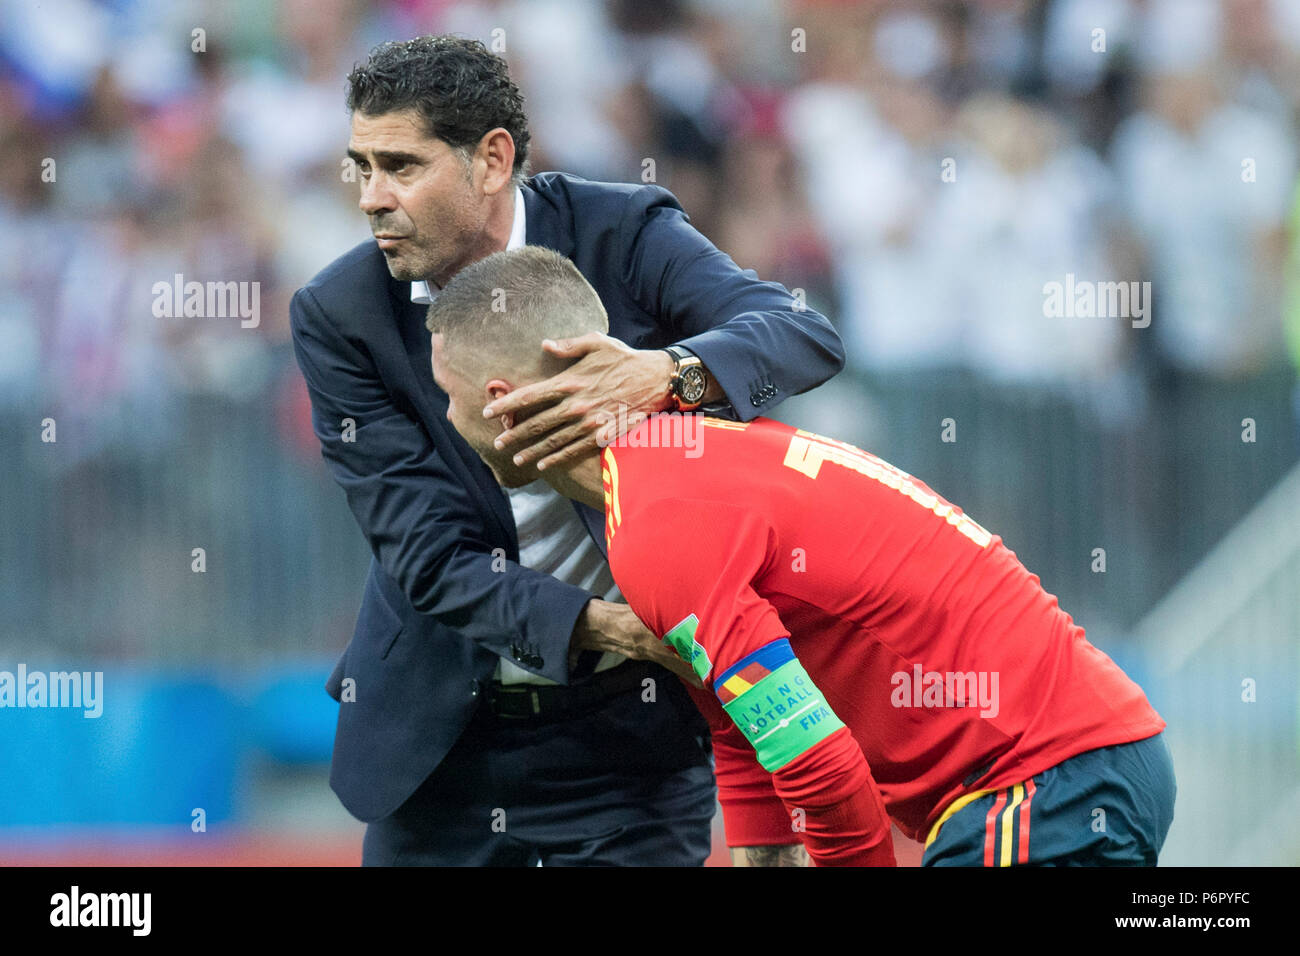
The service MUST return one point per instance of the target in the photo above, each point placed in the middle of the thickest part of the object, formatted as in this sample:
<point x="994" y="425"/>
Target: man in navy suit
<point x="470" y="729"/>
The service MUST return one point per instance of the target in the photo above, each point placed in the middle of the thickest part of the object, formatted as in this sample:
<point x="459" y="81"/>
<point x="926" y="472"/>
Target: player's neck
<point x="579" y="481"/>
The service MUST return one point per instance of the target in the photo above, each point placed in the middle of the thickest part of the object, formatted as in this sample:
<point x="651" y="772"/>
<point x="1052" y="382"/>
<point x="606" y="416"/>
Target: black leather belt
<point x="540" y="702"/>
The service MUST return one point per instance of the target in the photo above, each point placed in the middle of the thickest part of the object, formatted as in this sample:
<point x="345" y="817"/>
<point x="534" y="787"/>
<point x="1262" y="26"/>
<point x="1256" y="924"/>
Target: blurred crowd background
<point x="919" y="170"/>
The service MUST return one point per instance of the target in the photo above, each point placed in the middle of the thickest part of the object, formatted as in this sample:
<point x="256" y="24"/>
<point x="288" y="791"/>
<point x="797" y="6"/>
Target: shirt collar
<point x="518" y="238"/>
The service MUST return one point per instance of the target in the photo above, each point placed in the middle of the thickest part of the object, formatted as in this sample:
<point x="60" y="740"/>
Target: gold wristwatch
<point x="689" y="382"/>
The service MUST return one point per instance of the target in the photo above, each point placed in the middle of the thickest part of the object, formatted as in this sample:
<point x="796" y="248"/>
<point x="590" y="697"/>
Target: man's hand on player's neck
<point x="611" y="384"/>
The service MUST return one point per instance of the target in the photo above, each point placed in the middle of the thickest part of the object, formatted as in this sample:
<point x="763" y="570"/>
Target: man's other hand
<point x="607" y="626"/>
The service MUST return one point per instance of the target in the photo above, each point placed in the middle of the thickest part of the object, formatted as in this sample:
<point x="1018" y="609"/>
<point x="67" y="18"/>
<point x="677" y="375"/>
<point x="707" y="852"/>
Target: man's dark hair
<point x="458" y="87"/>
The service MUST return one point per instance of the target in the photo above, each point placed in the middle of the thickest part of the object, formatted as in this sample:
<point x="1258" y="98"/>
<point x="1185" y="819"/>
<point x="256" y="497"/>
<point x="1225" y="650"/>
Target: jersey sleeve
<point x="687" y="567"/>
<point x="752" y="813"/>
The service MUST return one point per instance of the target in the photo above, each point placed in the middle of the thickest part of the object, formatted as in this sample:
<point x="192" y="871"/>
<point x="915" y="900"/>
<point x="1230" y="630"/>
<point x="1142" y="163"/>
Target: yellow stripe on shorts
<point x="951" y="809"/>
<point x="1008" y="820"/>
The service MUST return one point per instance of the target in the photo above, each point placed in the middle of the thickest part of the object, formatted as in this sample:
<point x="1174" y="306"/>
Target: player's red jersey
<point x="951" y="666"/>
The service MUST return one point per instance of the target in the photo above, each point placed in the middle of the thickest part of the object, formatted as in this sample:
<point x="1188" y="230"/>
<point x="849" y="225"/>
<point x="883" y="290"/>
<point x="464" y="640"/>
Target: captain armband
<point x="775" y="704"/>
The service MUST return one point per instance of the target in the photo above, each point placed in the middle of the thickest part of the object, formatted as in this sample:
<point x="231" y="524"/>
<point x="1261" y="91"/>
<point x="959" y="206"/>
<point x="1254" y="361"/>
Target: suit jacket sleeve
<point x="417" y="514"/>
<point x="754" y="337"/>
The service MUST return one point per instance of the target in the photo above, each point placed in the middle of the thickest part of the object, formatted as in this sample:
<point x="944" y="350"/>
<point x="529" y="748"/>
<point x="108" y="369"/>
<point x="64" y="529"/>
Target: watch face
<point x="691" y="385"/>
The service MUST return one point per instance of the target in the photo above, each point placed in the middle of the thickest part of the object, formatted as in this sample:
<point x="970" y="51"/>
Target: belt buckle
<point x="516" y="690"/>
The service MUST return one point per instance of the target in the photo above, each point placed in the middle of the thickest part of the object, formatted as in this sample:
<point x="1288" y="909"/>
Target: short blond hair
<point x="494" y="313"/>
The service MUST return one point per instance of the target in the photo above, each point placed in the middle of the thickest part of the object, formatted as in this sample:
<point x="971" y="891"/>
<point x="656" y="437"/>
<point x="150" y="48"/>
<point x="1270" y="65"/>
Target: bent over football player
<point x="867" y="651"/>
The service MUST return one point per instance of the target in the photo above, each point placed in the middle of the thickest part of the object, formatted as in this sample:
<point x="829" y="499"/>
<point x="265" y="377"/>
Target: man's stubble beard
<point x="403" y="269"/>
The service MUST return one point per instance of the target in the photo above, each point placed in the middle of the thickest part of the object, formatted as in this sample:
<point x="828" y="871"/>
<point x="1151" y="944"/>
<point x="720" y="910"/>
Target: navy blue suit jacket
<point x="435" y="616"/>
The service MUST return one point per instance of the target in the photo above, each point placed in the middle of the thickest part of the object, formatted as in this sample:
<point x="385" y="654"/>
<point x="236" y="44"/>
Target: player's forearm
<point x="830" y="792"/>
<point x="818" y="770"/>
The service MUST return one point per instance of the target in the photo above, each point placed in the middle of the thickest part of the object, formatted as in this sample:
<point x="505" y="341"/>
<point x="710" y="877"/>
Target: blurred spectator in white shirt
<point x="1027" y="209"/>
<point x="1206" y="185"/>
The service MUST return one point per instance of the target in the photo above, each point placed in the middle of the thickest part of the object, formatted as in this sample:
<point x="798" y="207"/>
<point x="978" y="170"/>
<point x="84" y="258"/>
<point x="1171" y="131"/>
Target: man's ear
<point x="497" y="151"/>
<point x="495" y="389"/>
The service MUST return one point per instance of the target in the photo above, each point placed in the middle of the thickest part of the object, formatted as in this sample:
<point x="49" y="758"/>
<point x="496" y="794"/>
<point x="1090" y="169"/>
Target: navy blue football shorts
<point x="1106" y="807"/>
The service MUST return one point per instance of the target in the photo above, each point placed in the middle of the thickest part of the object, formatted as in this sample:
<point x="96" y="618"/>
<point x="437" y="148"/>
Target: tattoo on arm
<point x="792" y="854"/>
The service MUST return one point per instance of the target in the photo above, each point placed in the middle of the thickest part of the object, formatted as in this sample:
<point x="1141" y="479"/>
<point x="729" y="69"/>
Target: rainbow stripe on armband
<point x="775" y="704"/>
